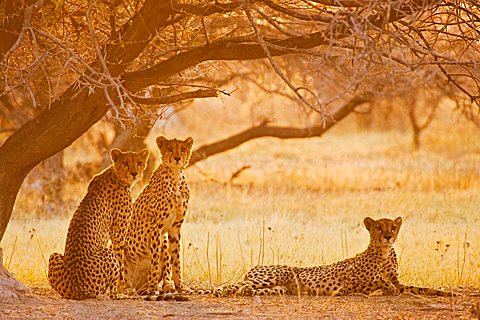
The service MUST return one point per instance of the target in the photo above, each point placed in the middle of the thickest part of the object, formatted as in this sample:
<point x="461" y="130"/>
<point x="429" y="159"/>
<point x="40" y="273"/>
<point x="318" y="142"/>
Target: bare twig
<point x="27" y="21"/>
<point x="238" y="172"/>
<point x="201" y="93"/>
<point x="278" y="70"/>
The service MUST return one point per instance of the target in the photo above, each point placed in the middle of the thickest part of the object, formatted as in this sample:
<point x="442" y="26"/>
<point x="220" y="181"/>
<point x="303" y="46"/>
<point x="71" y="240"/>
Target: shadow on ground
<point x="44" y="304"/>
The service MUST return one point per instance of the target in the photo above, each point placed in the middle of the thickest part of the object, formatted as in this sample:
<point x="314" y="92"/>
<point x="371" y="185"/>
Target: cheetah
<point x="153" y="240"/>
<point x="372" y="270"/>
<point x="90" y="266"/>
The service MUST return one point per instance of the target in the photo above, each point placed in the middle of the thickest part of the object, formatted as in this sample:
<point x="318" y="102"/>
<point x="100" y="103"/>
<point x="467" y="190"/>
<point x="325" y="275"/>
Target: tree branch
<point x="8" y="130"/>
<point x="344" y="3"/>
<point x="297" y="15"/>
<point x="264" y="130"/>
<point x="201" y="93"/>
<point x="206" y="9"/>
<point x="227" y="49"/>
<point x="13" y="28"/>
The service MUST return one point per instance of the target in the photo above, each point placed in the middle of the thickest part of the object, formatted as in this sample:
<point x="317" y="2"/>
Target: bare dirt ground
<point x="44" y="304"/>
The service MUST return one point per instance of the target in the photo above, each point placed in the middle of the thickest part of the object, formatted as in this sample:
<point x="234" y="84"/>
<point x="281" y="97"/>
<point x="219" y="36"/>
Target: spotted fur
<point x="153" y="241"/>
<point x="372" y="270"/>
<point x="90" y="266"/>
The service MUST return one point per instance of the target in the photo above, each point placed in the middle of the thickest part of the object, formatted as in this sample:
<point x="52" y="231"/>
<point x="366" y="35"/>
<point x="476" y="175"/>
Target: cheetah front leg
<point x="387" y="287"/>
<point x="174" y="252"/>
<point x="155" y="273"/>
<point x="167" y="283"/>
<point x="112" y="272"/>
<point x="117" y="233"/>
<point x="119" y="253"/>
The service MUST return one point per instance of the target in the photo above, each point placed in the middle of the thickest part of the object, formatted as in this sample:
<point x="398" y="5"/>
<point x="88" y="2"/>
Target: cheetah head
<point x="383" y="231"/>
<point x="128" y="166"/>
<point x="175" y="152"/>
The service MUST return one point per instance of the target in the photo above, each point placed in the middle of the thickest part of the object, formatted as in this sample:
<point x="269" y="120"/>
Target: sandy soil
<point x="44" y="304"/>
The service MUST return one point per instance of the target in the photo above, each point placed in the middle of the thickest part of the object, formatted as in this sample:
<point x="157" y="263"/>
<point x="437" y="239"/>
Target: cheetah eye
<point x="125" y="163"/>
<point x="394" y="227"/>
<point x="379" y="227"/>
<point x="140" y="163"/>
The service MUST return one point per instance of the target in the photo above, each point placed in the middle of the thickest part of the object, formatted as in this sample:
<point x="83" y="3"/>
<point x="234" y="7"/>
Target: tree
<point x="111" y="52"/>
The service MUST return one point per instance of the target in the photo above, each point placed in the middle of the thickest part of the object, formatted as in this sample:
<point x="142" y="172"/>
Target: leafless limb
<point x="29" y="11"/>
<point x="206" y="9"/>
<point x="266" y="130"/>
<point x="238" y="172"/>
<point x="201" y="93"/>
<point x="317" y="106"/>
<point x="298" y="15"/>
<point x="3" y="130"/>
<point x="344" y="3"/>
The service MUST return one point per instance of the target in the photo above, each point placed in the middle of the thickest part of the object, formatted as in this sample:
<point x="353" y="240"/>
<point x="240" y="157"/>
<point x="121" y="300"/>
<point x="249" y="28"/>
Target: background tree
<point x="75" y="62"/>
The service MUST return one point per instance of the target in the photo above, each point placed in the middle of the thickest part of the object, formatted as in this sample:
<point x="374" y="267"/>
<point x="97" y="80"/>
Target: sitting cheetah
<point x="372" y="270"/>
<point x="153" y="238"/>
<point x="90" y="266"/>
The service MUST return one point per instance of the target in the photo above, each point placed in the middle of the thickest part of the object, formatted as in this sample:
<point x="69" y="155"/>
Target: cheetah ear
<point x="161" y="142"/>
<point x="189" y="142"/>
<point x="398" y="221"/>
<point x="115" y="154"/>
<point x="144" y="154"/>
<point x="368" y="222"/>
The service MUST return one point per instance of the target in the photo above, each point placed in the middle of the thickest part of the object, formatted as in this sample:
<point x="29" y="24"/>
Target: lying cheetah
<point x="153" y="239"/>
<point x="372" y="270"/>
<point x="89" y="266"/>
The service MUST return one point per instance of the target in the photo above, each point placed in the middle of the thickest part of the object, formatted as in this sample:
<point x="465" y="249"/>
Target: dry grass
<point x="303" y="203"/>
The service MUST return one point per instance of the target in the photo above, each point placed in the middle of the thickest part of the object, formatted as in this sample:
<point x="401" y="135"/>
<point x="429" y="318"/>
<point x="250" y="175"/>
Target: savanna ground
<point x="301" y="202"/>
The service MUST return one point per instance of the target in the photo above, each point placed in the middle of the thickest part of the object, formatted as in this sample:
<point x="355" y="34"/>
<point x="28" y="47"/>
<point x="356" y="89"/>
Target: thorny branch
<point x="29" y="11"/>
<point x="277" y="69"/>
<point x="358" y="45"/>
<point x="200" y="93"/>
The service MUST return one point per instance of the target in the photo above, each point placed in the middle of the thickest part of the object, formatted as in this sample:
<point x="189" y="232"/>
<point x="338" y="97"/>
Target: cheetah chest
<point x="171" y="203"/>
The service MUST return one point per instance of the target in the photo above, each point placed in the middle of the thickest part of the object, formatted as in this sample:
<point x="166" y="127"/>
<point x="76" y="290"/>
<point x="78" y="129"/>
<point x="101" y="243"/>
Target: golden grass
<point x="303" y="202"/>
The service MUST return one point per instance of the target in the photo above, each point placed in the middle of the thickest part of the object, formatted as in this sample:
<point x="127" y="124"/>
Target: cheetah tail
<point x="220" y="291"/>
<point x="167" y="297"/>
<point x="201" y="291"/>
<point x="426" y="291"/>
